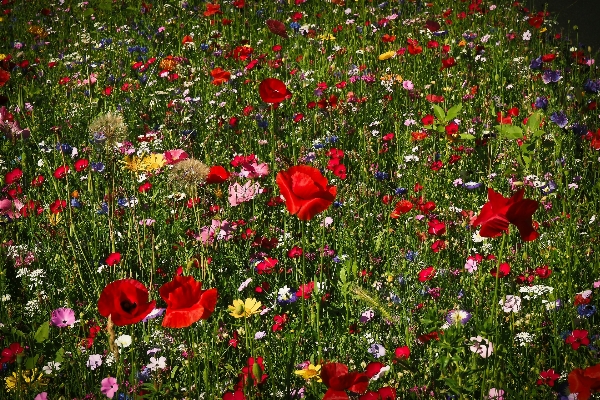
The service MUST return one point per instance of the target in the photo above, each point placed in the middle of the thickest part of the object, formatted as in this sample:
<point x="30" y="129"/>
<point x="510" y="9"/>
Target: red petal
<point x="277" y="28"/>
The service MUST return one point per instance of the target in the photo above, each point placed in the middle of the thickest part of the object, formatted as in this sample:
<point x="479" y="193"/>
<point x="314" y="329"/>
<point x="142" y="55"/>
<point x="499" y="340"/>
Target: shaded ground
<point x="585" y="14"/>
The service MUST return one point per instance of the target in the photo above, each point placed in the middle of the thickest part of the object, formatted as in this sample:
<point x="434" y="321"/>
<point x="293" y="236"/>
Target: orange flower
<point x="187" y="39"/>
<point x="212" y="9"/>
<point x="220" y="76"/>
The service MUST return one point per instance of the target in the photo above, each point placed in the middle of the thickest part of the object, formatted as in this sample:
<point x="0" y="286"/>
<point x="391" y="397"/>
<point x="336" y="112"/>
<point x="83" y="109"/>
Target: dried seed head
<point x="108" y="129"/>
<point x="188" y="173"/>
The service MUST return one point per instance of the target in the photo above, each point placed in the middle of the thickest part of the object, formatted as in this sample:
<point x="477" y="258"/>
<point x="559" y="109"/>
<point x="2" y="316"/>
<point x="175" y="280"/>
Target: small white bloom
<point x="123" y="341"/>
<point x="94" y="361"/>
<point x="156" y="364"/>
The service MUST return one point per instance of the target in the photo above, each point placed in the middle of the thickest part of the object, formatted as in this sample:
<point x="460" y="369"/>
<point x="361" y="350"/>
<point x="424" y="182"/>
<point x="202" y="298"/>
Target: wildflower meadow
<point x="286" y="199"/>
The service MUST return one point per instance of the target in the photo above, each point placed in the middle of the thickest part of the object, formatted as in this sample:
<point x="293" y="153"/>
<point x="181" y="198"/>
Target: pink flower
<point x="495" y="394"/>
<point x="175" y="156"/>
<point x="240" y="194"/>
<point x="254" y="170"/>
<point x="109" y="387"/>
<point x="481" y="346"/>
<point x="41" y="396"/>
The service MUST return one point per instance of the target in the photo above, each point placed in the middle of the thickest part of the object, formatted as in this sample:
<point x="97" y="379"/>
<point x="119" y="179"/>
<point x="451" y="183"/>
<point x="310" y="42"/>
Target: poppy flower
<point x="273" y="90"/>
<point x="427" y="274"/>
<point x="81" y="165"/>
<point x="58" y="206"/>
<point x="13" y="176"/>
<point x="219" y="76"/>
<point x="337" y="379"/>
<point x="578" y="338"/>
<point x="499" y="211"/>
<point x="186" y="302"/>
<point x="125" y="301"/>
<point x="112" y="259"/>
<point x="277" y="27"/>
<point x="305" y="190"/>
<point x="4" y="77"/>
<point x="10" y="354"/>
<point x="212" y="9"/>
<point x="585" y="381"/>
<point x="433" y="26"/>
<point x="61" y="171"/>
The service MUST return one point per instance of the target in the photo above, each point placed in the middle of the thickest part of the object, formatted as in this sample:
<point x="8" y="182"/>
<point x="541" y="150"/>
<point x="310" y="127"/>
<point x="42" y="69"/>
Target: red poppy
<point x="402" y="352"/>
<point x="145" y="187"/>
<point x="436" y="227"/>
<point x="536" y="22"/>
<point x="187" y="39"/>
<point x="112" y="259"/>
<point x="125" y="301"/>
<point x="4" y="77"/>
<point x="585" y="381"/>
<point x="81" y="164"/>
<point x="13" y="176"/>
<point x="38" y="181"/>
<point x="186" y="302"/>
<point x="277" y="27"/>
<point x="337" y="379"/>
<point x="385" y="393"/>
<point x="217" y="174"/>
<point x="501" y="271"/>
<point x="499" y="211"/>
<point x="212" y="9"/>
<point x="254" y="369"/>
<point x="9" y="354"/>
<point x="433" y="98"/>
<point x="219" y="76"/>
<point x="427" y="274"/>
<point x="447" y="63"/>
<point x="578" y="338"/>
<point x="433" y="26"/>
<point x="273" y="90"/>
<point x="305" y="190"/>
<point x="61" y="171"/>
<point x="58" y="206"/>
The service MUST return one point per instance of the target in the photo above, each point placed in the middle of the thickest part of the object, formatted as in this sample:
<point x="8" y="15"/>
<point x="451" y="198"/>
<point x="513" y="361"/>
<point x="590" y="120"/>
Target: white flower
<point x="123" y="341"/>
<point x="511" y="304"/>
<point x="94" y="361"/>
<point x="156" y="364"/>
<point x="527" y="35"/>
<point x="51" y="367"/>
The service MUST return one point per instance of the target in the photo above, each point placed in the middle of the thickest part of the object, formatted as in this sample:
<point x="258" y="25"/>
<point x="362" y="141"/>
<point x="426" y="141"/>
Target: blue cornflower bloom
<point x="380" y="175"/>
<point x="586" y="310"/>
<point x="559" y="118"/>
<point x="592" y="86"/>
<point x="536" y="64"/>
<point x="98" y="167"/>
<point x="541" y="102"/>
<point x="401" y="191"/>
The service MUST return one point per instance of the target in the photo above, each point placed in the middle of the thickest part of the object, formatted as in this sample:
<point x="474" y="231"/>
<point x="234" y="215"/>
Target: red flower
<point x="585" y="381"/>
<point x="38" y="181"/>
<point x="427" y="274"/>
<point x="277" y="27"/>
<point x="220" y="76"/>
<point x="337" y="379"/>
<point x="61" y="171"/>
<point x="547" y="378"/>
<point x="4" y="77"/>
<point x="499" y="211"/>
<point x="10" y="354"/>
<point x="112" y="259"/>
<point x="402" y="352"/>
<point x="125" y="301"/>
<point x="217" y="174"/>
<point x="295" y="252"/>
<point x="145" y="187"/>
<point x="58" y="206"/>
<point x="436" y="227"/>
<point x="402" y="207"/>
<point x="385" y="393"/>
<point x="578" y="338"/>
<point x="543" y="272"/>
<point x="427" y="120"/>
<point x="536" y="22"/>
<point x="447" y="63"/>
<point x="186" y="302"/>
<point x="273" y="90"/>
<point x="81" y="164"/>
<point x="433" y="26"/>
<point x="305" y="190"/>
<point x="212" y="9"/>
<point x="502" y="271"/>
<point x="13" y="176"/>
<point x="254" y="370"/>
<point x="433" y="98"/>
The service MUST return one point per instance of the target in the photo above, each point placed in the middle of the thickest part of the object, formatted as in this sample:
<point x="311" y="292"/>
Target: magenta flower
<point x="109" y="387"/>
<point x="63" y="317"/>
<point x="41" y="396"/>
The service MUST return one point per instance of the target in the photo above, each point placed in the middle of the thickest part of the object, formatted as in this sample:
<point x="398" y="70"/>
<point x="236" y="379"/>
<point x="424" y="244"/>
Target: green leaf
<point x="31" y="361"/>
<point x="466" y="136"/>
<point x="59" y="356"/>
<point x="453" y="112"/>
<point x="105" y="5"/>
<point x="538" y="133"/>
<point x="441" y="128"/>
<point x="533" y="122"/>
<point x="88" y="12"/>
<point x="509" y="131"/>
<point x="439" y="113"/>
<point x="42" y="332"/>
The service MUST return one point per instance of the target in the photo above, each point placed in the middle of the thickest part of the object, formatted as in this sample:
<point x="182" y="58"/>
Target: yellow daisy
<point x="312" y="371"/>
<point x="245" y="309"/>
<point x="152" y="162"/>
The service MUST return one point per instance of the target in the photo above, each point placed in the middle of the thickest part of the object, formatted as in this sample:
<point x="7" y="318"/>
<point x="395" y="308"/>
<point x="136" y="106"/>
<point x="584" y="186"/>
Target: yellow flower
<point x="241" y="309"/>
<point x="2" y="56"/>
<point x="132" y="163"/>
<point x="327" y="36"/>
<point x="312" y="371"/>
<point x="153" y="161"/>
<point x="28" y="378"/>
<point x="387" y="55"/>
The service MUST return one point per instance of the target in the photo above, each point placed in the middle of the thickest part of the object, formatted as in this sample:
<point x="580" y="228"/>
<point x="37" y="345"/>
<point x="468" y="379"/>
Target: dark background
<point x="585" y="14"/>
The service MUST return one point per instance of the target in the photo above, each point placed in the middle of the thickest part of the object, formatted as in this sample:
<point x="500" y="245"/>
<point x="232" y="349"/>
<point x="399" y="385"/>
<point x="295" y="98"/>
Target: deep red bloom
<point x="427" y="120"/>
<point x="433" y="26"/>
<point x="186" y="302"/>
<point x="217" y="174"/>
<point x="427" y="274"/>
<point x="13" y="176"/>
<point x="81" y="164"/>
<point x="499" y="211"/>
<point x="277" y="27"/>
<point x="548" y="378"/>
<point x="38" y="181"/>
<point x="61" y="171"/>
<point x="58" y="206"/>
<point x="385" y="393"/>
<point x="585" y="381"/>
<point x="9" y="354"/>
<point x="305" y="290"/>
<point x="305" y="190"/>
<point x="145" y="187"/>
<point x="402" y="352"/>
<point x="502" y="271"/>
<point x="543" y="272"/>
<point x="295" y="252"/>
<point x="436" y="227"/>
<point x="578" y="338"/>
<point x="254" y="369"/>
<point x="125" y="301"/>
<point x="4" y="77"/>
<point x="337" y="379"/>
<point x="273" y="90"/>
<point x="401" y="207"/>
<point x="447" y="63"/>
<point x="112" y="259"/>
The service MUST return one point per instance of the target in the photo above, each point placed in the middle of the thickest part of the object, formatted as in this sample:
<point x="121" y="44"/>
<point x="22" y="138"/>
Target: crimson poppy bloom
<point x="13" y="176"/>
<point x="9" y="354"/>
<point x="217" y="174"/>
<point x="585" y="381"/>
<point x="277" y="27"/>
<point x="81" y="164"/>
<point x="273" y="90"/>
<point x="337" y="379"/>
<point x="427" y="274"/>
<point x="58" y="206"/>
<point x="4" y="77"/>
<point x="186" y="302"/>
<point x="547" y="378"/>
<point x="305" y="190"/>
<point x="125" y="301"/>
<point x="402" y="352"/>
<point x="112" y="259"/>
<point x="499" y="211"/>
<point x="501" y="271"/>
<point x="61" y="171"/>
<point x="220" y="76"/>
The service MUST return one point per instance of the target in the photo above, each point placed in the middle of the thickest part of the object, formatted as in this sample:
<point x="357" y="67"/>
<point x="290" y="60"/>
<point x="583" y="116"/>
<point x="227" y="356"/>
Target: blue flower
<point x="401" y="191"/>
<point x="377" y="350"/>
<point x="380" y="175"/>
<point x="559" y="118"/>
<point x="541" y="102"/>
<point x="536" y="64"/>
<point x="98" y="167"/>
<point x="411" y="255"/>
<point x="551" y="76"/>
<point x="64" y="148"/>
<point x="579" y="129"/>
<point x="586" y="310"/>
<point x="472" y="185"/>
<point x="591" y="86"/>
<point x="75" y="203"/>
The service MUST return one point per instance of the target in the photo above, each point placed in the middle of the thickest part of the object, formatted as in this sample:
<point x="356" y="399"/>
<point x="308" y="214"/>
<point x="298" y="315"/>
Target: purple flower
<point x="559" y="118"/>
<point x="109" y="387"/>
<point x="455" y="317"/>
<point x="63" y="317"/>
<point x="541" y="102"/>
<point x="377" y="350"/>
<point x="536" y="64"/>
<point x="591" y="86"/>
<point x="551" y="76"/>
<point x="41" y="396"/>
